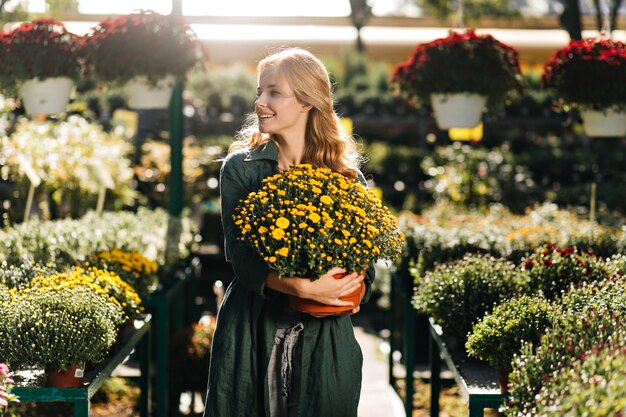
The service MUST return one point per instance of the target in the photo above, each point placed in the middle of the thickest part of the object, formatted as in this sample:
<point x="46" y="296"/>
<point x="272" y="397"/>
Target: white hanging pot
<point x="457" y="110"/>
<point x="604" y="123"/>
<point x="47" y="96"/>
<point x="141" y="95"/>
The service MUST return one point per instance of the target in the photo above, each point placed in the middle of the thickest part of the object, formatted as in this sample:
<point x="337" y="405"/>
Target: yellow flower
<point x="283" y="251"/>
<point x="326" y="199"/>
<point x="278" y="234"/>
<point x="282" y="223"/>
<point x="314" y="217"/>
<point x="262" y="230"/>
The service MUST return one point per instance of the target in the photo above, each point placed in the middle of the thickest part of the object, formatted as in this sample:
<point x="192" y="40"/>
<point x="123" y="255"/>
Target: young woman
<point x="268" y="360"/>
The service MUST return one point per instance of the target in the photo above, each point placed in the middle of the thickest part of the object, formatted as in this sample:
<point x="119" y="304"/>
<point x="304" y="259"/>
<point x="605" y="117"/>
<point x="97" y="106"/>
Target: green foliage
<point x="498" y="336"/>
<point x="550" y="271"/>
<point x="596" y="380"/>
<point x="520" y="174"/>
<point x="457" y="294"/>
<point x="590" y="315"/>
<point x="20" y="275"/>
<point x="446" y="232"/>
<point x="478" y="176"/>
<point x="223" y="88"/>
<point x="55" y="328"/>
<point x="69" y="242"/>
<point x="62" y="154"/>
<point x="361" y="85"/>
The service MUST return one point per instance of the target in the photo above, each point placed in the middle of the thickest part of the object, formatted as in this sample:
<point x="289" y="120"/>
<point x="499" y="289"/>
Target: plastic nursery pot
<point x="305" y="305"/>
<point x="70" y="378"/>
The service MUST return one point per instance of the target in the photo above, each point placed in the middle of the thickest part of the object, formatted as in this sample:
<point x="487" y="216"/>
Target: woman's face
<point x="277" y="108"/>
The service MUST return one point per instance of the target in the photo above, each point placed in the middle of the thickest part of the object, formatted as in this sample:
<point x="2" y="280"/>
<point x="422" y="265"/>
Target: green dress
<point x="247" y="322"/>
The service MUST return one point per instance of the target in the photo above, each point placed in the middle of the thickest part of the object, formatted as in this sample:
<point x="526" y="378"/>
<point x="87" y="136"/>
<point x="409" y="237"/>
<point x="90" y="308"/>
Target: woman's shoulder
<point x="237" y="156"/>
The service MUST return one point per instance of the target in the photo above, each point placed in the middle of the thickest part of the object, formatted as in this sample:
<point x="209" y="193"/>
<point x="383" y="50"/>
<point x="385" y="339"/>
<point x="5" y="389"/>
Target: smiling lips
<point x="265" y="116"/>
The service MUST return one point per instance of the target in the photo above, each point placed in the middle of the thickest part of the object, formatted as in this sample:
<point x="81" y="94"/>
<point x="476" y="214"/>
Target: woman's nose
<point x="260" y="100"/>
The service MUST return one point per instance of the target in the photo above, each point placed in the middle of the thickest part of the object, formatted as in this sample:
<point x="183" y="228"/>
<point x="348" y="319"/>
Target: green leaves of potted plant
<point x="57" y="328"/>
<point x="458" y="293"/>
<point x="144" y="48"/>
<point x="590" y="74"/>
<point x="39" y="60"/>
<point x="498" y="336"/>
<point x="595" y="378"/>
<point x="459" y="75"/>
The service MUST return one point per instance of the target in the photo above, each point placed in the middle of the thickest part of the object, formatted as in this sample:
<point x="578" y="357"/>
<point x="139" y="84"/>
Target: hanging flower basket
<point x="458" y="110"/>
<point x="461" y="63"/>
<point x="591" y="74"/>
<point x="143" y="95"/>
<point x="39" y="62"/>
<point x="610" y="123"/>
<point x="47" y="96"/>
<point x="144" y="43"/>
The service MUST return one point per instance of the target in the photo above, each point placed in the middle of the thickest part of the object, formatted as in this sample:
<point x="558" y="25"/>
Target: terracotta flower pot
<point x="70" y="378"/>
<point x="309" y="306"/>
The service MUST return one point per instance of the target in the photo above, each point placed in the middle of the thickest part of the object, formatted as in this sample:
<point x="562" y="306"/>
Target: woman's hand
<point x="343" y="313"/>
<point x="325" y="290"/>
<point x="328" y="290"/>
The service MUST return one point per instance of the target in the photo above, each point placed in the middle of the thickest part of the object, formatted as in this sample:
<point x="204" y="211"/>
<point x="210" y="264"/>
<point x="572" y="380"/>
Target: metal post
<point x="409" y="352"/>
<point x="176" y="122"/>
<point x="435" y="375"/>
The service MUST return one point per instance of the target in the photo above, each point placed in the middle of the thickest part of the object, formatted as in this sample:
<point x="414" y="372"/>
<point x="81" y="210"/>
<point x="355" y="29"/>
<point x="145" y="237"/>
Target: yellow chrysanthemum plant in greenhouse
<point x="132" y="267"/>
<point x="307" y="220"/>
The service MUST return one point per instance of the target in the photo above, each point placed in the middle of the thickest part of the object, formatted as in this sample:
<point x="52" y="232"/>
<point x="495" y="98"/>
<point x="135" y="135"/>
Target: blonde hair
<point x="327" y="145"/>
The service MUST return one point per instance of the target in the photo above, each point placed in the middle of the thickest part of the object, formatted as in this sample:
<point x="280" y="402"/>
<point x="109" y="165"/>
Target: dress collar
<point x="268" y="150"/>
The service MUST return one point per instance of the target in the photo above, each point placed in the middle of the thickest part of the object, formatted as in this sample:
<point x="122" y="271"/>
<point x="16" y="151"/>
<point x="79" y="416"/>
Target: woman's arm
<point x="249" y="268"/>
<point x="326" y="289"/>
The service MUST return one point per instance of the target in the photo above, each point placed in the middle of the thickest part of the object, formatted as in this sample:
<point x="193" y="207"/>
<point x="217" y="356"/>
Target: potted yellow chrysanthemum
<point x="306" y="220"/>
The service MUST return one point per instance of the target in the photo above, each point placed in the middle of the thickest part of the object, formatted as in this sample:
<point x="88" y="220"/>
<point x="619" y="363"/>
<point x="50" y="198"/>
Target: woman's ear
<point x="306" y="108"/>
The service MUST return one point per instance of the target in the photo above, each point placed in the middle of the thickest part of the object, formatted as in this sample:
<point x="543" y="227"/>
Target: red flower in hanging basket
<point x="462" y="62"/>
<point x="142" y="43"/>
<point x="40" y="49"/>
<point x="590" y="73"/>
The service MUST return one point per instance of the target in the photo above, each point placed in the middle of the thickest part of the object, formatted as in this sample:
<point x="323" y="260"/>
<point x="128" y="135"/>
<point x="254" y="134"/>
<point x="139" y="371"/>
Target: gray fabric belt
<point x="284" y="370"/>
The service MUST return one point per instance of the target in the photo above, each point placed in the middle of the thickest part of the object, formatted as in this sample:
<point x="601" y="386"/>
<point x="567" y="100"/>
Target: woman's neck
<point x="290" y="152"/>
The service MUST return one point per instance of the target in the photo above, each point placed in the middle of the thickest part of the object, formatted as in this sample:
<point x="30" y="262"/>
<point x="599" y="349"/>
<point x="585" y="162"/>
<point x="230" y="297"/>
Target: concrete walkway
<point x="378" y="399"/>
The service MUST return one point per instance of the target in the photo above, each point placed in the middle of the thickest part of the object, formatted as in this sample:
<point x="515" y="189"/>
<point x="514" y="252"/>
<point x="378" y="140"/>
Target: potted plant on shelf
<point x="498" y="336"/>
<point x="458" y="293"/>
<point x="39" y="62"/>
<point x="143" y="52"/>
<point x="59" y="329"/>
<point x="590" y="75"/>
<point x="459" y="75"/>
